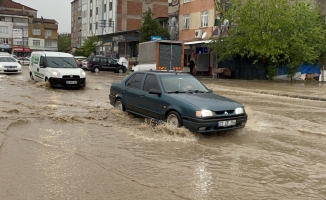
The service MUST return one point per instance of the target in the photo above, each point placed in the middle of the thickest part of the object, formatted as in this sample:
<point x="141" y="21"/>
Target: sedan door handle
<point x="142" y="95"/>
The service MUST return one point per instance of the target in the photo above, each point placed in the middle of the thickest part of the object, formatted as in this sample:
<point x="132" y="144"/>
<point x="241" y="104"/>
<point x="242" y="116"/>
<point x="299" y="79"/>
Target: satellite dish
<point x="204" y="35"/>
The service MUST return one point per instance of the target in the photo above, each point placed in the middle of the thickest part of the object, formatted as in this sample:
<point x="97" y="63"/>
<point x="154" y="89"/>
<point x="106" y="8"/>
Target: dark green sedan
<point x="177" y="98"/>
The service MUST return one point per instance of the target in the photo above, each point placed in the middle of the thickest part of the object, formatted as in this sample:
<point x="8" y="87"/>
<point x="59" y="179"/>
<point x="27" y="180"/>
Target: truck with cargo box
<point x="160" y="55"/>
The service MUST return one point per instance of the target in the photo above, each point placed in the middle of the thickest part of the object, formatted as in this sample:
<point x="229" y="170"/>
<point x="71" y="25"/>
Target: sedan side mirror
<point x="155" y="91"/>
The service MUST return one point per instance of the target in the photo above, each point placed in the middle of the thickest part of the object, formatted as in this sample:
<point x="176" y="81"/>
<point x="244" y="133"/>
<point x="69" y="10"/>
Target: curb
<point x="293" y="96"/>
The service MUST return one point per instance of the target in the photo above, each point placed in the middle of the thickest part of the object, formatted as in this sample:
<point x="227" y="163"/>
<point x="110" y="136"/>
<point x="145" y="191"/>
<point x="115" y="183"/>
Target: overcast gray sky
<point x="58" y="10"/>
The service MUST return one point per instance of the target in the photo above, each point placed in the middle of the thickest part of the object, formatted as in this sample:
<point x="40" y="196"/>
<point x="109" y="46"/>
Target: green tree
<point x="89" y="45"/>
<point x="151" y="27"/>
<point x="282" y="32"/>
<point x="63" y="41"/>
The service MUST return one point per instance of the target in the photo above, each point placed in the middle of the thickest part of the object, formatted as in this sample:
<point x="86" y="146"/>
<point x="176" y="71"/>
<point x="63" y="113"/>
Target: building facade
<point x="76" y="23"/>
<point x="22" y="32"/>
<point x="196" y="22"/>
<point x="43" y="34"/>
<point x="115" y="22"/>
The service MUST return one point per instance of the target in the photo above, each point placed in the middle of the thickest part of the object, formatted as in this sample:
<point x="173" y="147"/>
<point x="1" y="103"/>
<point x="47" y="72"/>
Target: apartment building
<point x="195" y="24"/>
<point x="115" y="22"/>
<point x="17" y="24"/>
<point x="43" y="34"/>
<point x="76" y="24"/>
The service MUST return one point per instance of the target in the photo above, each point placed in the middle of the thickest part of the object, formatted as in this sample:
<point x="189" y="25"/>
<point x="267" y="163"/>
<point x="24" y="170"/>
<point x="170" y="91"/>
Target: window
<point x="36" y="43"/>
<point x="90" y="1"/>
<point x="104" y="7"/>
<point x="4" y="29"/>
<point x="36" y="31"/>
<point x="110" y="6"/>
<point x="204" y="19"/>
<point x="186" y="1"/>
<point x="135" y="81"/>
<point x="186" y="22"/>
<point x="85" y="14"/>
<point x="96" y="10"/>
<point x="20" y="42"/>
<point x="103" y="61"/>
<point x="90" y="26"/>
<point x="96" y="26"/>
<point x="151" y="82"/>
<point x="4" y="40"/>
<point x="90" y="13"/>
<point x="48" y="33"/>
<point x="48" y="43"/>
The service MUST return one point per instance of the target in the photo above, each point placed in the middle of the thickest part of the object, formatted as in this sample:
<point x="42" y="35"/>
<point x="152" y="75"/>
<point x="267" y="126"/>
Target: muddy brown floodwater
<point x="72" y="144"/>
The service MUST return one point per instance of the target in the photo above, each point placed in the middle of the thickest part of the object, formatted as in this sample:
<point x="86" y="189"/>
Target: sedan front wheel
<point x="119" y="105"/>
<point x="174" y="119"/>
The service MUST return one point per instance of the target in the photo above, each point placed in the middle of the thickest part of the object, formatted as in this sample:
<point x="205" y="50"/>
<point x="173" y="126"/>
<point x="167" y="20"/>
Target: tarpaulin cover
<point x="304" y="69"/>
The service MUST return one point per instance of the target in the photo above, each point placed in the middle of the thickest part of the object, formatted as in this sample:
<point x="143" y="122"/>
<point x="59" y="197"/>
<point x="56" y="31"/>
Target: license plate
<point x="71" y="82"/>
<point x="226" y="123"/>
<point x="10" y="69"/>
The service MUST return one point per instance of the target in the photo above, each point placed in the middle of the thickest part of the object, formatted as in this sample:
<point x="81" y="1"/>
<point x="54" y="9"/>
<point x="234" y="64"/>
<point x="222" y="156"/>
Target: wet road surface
<point x="72" y="144"/>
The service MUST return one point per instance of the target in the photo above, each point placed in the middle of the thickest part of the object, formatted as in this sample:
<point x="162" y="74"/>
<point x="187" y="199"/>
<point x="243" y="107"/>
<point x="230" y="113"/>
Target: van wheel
<point x="96" y="69"/>
<point x="31" y="75"/>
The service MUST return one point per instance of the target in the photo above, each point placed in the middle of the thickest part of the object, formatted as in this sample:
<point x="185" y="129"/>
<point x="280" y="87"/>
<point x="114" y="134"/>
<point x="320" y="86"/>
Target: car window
<point x="61" y="62"/>
<point x="135" y="81"/>
<point x="180" y="83"/>
<point x="128" y="82"/>
<point x="96" y="59"/>
<point x="103" y="61"/>
<point x="7" y="59"/>
<point x="112" y="62"/>
<point x="151" y="82"/>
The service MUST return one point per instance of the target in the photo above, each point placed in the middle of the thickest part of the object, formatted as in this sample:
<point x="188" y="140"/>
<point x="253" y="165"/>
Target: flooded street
<point x="72" y="144"/>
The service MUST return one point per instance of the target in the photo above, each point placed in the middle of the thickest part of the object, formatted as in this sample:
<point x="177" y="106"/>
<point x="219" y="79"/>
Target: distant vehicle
<point x="8" y="65"/>
<point x="84" y="64"/>
<point x="57" y="68"/>
<point x="80" y="57"/>
<point x="101" y="63"/>
<point x="177" y="98"/>
<point x="24" y="61"/>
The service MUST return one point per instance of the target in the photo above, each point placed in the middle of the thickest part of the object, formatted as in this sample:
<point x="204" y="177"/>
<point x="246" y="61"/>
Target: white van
<point x="57" y="68"/>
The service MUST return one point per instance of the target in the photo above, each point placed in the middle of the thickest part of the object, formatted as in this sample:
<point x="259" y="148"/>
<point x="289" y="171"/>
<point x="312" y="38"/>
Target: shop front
<point x="21" y="51"/>
<point x="199" y="51"/>
<point x="122" y="44"/>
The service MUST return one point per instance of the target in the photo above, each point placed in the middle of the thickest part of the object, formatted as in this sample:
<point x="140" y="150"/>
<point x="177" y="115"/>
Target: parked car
<point x="101" y="63"/>
<point x="84" y="64"/>
<point x="79" y="62"/>
<point x="177" y="98"/>
<point x="24" y="61"/>
<point x="8" y="65"/>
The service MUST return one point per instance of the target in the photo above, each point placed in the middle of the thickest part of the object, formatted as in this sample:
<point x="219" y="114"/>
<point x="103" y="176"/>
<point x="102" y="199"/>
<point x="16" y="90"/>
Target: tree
<point x="63" y="41"/>
<point x="89" y="46"/>
<point x="282" y="32"/>
<point x="151" y="27"/>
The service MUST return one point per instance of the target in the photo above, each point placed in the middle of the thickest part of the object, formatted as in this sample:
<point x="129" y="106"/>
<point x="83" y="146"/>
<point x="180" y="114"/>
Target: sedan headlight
<point x="82" y="74"/>
<point x="55" y="73"/>
<point x="204" y="113"/>
<point x="239" y="111"/>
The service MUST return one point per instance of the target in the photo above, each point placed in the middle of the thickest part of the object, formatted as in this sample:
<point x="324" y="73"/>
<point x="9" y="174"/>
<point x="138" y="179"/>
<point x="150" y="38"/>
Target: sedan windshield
<point x="181" y="83"/>
<point x="61" y="62"/>
<point x="7" y="59"/>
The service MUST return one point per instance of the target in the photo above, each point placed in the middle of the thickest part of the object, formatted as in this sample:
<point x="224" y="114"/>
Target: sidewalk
<point x="313" y="90"/>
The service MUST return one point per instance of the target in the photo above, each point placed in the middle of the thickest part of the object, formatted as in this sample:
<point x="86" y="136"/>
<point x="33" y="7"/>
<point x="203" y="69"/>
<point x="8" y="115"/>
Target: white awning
<point x="197" y="42"/>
